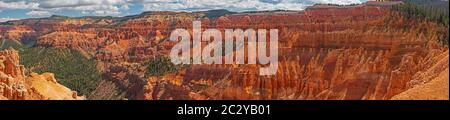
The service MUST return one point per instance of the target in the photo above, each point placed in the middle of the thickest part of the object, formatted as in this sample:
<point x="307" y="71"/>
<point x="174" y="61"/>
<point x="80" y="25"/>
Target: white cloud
<point x="235" y="5"/>
<point x="18" y="5"/>
<point x="116" y="7"/>
<point x="78" y="3"/>
<point x="106" y="12"/>
<point x="341" y="2"/>
<point x="38" y="13"/>
<point x="98" y="7"/>
<point x="7" y="19"/>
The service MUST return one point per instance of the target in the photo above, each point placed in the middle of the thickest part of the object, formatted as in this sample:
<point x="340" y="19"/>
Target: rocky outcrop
<point x="47" y="88"/>
<point x="436" y="89"/>
<point x="12" y="77"/>
<point x="14" y="85"/>
<point x="429" y="84"/>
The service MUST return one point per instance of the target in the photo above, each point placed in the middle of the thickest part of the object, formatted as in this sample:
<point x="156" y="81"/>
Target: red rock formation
<point x="83" y="39"/>
<point x="326" y="52"/>
<point x="430" y="83"/>
<point x="16" y="32"/>
<point x="14" y="85"/>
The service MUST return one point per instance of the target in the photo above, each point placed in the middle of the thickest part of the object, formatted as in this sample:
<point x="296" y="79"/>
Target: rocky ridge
<point x="15" y="85"/>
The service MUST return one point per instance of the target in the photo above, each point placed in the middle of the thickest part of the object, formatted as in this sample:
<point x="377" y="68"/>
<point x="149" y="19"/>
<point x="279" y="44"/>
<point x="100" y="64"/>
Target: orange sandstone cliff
<point x="362" y="52"/>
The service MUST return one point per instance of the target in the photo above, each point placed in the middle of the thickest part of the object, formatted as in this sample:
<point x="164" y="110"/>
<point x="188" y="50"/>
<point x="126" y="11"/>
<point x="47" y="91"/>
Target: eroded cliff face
<point x="16" y="32"/>
<point x="429" y="84"/>
<point x="325" y="52"/>
<point x="14" y="85"/>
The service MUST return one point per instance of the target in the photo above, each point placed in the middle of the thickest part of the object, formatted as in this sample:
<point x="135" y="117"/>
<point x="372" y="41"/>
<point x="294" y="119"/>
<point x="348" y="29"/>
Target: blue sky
<point x="19" y="9"/>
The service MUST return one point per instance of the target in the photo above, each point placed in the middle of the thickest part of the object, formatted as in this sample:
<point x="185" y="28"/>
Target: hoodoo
<point x="234" y="49"/>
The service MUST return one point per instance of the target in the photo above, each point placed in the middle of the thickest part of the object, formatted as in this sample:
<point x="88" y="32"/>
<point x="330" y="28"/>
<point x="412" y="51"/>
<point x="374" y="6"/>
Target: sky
<point x="20" y="9"/>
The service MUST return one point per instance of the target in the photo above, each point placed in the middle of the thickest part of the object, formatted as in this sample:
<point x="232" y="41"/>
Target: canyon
<point x="326" y="52"/>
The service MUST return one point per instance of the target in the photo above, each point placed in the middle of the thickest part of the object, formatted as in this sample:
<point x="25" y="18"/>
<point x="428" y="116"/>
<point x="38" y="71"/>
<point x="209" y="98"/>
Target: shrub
<point x="159" y="66"/>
